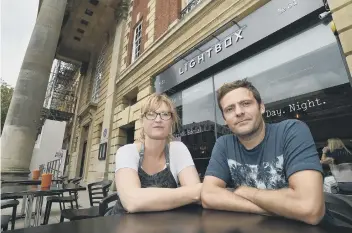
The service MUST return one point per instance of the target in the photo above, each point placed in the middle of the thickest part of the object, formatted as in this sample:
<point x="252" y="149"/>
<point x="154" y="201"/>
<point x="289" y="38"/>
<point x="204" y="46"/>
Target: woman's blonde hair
<point x="336" y="143"/>
<point x="153" y="102"/>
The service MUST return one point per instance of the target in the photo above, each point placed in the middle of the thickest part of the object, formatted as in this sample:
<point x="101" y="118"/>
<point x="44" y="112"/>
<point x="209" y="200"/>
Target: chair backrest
<point x="9" y="204"/>
<point x="75" y="180"/>
<point x="342" y="172"/>
<point x="98" y="190"/>
<point x="53" y="167"/>
<point x="104" y="203"/>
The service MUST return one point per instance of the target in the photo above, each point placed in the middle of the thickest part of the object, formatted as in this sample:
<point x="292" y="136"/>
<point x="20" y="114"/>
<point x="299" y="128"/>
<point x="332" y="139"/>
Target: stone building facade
<point x="168" y="29"/>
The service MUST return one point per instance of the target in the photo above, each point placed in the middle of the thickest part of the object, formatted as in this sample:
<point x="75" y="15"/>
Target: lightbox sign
<point x="271" y="17"/>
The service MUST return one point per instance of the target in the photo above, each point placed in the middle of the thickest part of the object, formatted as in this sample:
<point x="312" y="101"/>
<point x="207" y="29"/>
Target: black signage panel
<point x="271" y="17"/>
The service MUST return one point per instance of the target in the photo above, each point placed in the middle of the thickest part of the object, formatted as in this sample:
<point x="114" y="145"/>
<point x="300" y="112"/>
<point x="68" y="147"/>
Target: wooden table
<point x="29" y="192"/>
<point x="190" y="219"/>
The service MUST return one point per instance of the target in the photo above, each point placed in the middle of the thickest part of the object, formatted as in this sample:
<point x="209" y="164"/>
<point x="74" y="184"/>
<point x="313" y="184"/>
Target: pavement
<point x="83" y="202"/>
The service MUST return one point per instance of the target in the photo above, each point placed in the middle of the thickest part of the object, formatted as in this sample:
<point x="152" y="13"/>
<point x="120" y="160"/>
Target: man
<point x="274" y="168"/>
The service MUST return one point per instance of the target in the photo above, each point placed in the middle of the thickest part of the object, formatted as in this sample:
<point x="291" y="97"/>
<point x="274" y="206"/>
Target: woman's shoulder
<point x="177" y="145"/>
<point x="129" y="149"/>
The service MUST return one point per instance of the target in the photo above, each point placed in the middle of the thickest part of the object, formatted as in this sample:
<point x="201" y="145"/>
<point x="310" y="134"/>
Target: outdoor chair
<point x="97" y="191"/>
<point x="5" y="219"/>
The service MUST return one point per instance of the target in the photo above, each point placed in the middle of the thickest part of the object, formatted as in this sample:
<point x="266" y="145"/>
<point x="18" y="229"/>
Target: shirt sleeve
<point x="218" y="165"/>
<point x="127" y="157"/>
<point x="300" y="152"/>
<point x="180" y="152"/>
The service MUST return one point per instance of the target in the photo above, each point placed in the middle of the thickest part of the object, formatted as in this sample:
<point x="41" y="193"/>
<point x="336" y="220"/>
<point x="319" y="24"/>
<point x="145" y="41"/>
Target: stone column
<point x="19" y="134"/>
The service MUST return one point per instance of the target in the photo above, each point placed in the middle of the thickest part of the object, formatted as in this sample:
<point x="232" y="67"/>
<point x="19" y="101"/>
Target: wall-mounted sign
<point x="105" y="132"/>
<point x="229" y="41"/>
<point x="260" y="24"/>
<point x="290" y="5"/>
<point x="102" y="151"/>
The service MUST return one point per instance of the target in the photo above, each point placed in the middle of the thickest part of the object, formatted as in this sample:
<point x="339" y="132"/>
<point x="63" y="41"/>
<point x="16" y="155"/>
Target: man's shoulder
<point x="225" y="139"/>
<point x="286" y="125"/>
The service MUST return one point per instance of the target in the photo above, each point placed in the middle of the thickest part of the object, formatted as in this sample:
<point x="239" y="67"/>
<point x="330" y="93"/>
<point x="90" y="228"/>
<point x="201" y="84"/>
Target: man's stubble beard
<point x="255" y="131"/>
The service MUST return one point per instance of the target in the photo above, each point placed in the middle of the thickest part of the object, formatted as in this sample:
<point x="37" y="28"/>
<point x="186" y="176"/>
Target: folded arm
<point x="137" y="199"/>
<point x="326" y="160"/>
<point x="215" y="196"/>
<point x="303" y="200"/>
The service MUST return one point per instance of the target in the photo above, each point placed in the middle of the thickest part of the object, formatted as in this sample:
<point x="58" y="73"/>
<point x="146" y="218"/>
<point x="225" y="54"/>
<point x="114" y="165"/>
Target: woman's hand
<point x="325" y="150"/>
<point x="327" y="161"/>
<point x="195" y="191"/>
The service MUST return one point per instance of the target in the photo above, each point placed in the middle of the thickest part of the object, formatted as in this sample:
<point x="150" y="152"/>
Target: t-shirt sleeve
<point x="127" y="157"/>
<point x="218" y="165"/>
<point x="182" y="155"/>
<point x="300" y="152"/>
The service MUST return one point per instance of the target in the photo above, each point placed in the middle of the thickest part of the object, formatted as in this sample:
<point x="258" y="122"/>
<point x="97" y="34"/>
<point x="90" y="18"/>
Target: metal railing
<point x="191" y="5"/>
<point x="53" y="167"/>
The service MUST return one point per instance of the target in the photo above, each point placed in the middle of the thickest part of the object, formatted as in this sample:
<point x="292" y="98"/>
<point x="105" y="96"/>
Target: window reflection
<point x="195" y="106"/>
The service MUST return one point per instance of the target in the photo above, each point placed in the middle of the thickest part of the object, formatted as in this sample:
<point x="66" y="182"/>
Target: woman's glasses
<point x="163" y="115"/>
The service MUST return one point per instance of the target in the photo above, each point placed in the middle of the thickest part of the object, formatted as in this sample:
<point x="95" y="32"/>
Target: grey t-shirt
<point x="288" y="147"/>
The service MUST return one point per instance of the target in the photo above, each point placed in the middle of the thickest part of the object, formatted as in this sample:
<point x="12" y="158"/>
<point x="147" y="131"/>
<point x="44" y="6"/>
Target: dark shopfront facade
<point x="287" y="52"/>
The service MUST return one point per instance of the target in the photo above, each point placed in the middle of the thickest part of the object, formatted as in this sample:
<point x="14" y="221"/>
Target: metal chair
<point x="97" y="191"/>
<point x="62" y="200"/>
<point x="104" y="204"/>
<point x="5" y="219"/>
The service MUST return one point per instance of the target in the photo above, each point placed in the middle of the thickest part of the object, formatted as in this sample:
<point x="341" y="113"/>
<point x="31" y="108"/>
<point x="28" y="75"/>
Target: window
<point x="98" y="74"/>
<point x="137" y="40"/>
<point x="131" y="97"/>
<point x="195" y="107"/>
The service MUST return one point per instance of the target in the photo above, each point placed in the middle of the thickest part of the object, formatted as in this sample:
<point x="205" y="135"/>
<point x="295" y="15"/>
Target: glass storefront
<point x="303" y="77"/>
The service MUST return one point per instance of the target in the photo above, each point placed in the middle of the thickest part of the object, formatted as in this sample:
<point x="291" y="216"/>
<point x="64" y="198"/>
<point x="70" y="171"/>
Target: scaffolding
<point x="60" y="96"/>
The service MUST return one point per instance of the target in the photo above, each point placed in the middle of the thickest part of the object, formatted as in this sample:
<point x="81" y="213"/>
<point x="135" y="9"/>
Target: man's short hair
<point x="244" y="83"/>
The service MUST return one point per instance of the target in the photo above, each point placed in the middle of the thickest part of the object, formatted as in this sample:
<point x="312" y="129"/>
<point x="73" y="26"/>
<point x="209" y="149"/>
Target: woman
<point x="148" y="172"/>
<point x="336" y="152"/>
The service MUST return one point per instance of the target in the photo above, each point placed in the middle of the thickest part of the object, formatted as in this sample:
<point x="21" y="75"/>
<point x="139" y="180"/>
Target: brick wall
<point x="166" y="12"/>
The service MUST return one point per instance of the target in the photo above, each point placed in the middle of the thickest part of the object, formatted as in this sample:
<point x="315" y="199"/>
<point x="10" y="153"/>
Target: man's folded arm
<point x="303" y="200"/>
<point x="214" y="195"/>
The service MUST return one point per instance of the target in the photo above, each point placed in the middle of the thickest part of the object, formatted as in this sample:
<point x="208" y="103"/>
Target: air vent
<point x="80" y="30"/>
<point x="84" y="22"/>
<point x="88" y="12"/>
<point x="94" y="2"/>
